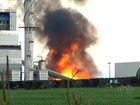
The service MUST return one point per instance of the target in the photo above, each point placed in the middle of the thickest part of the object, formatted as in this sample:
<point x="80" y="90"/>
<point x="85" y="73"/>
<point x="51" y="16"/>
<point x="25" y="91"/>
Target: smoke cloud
<point x="79" y="2"/>
<point x="41" y="7"/>
<point x="64" y="25"/>
<point x="61" y="28"/>
<point x="18" y="6"/>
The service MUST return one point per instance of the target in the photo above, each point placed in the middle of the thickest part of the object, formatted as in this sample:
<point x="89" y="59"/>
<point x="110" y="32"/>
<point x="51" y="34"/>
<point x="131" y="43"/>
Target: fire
<point x="67" y="33"/>
<point x="67" y="64"/>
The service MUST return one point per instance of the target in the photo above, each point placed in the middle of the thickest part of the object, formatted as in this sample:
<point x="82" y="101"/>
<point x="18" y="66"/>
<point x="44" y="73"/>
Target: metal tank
<point x="43" y="73"/>
<point x="42" y="65"/>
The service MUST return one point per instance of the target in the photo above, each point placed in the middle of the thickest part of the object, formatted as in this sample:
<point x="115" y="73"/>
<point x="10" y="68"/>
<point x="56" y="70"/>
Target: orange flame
<point x="68" y="68"/>
<point x="67" y="64"/>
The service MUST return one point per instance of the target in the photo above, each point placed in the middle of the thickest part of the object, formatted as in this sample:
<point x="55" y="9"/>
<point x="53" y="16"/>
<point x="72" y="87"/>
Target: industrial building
<point x="9" y="44"/>
<point x="126" y="69"/>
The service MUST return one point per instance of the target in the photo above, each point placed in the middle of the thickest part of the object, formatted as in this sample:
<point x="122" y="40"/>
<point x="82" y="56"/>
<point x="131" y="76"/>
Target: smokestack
<point x="67" y="34"/>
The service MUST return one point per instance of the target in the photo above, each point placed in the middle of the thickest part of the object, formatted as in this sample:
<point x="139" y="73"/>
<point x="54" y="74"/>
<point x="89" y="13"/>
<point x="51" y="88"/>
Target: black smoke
<point x="63" y="27"/>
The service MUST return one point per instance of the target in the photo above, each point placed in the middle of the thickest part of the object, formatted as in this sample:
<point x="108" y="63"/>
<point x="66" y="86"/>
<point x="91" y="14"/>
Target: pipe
<point x="56" y="74"/>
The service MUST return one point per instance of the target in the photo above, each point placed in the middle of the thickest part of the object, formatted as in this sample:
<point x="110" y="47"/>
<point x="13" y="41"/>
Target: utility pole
<point x="109" y="63"/>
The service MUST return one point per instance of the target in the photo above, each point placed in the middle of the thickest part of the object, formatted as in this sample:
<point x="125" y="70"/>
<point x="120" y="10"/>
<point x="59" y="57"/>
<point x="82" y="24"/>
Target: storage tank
<point x="44" y="72"/>
<point x="42" y="65"/>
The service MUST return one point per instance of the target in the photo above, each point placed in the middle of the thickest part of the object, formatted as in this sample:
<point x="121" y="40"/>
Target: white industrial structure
<point x="9" y="44"/>
<point x="126" y="69"/>
<point x="31" y="72"/>
<point x="29" y="36"/>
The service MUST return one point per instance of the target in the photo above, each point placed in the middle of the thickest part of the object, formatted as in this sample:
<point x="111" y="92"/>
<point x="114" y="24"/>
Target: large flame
<point x="68" y="35"/>
<point x="67" y="64"/>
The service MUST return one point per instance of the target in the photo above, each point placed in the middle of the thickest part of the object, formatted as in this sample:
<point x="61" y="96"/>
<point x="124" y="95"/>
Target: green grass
<point x="85" y="96"/>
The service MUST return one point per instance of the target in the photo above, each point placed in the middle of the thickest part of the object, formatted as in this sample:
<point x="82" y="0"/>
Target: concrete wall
<point x="13" y="21"/>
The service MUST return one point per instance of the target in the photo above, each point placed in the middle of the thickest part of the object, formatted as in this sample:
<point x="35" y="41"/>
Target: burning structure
<point x="67" y="34"/>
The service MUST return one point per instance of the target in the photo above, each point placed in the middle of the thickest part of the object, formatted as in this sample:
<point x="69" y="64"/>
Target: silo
<point x="42" y="65"/>
<point x="43" y="72"/>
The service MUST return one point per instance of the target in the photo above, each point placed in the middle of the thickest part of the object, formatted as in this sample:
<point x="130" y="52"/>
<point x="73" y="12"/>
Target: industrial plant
<point x="64" y="58"/>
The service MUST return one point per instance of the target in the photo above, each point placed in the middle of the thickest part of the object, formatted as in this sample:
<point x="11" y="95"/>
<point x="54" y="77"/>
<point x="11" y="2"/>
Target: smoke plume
<point x="18" y="6"/>
<point x="79" y="2"/>
<point x="41" y="7"/>
<point x="63" y="26"/>
<point x="67" y="33"/>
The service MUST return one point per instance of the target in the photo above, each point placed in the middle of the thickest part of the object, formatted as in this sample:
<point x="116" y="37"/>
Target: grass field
<point x="85" y="96"/>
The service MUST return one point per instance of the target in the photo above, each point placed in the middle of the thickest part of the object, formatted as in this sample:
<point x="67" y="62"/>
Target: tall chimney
<point x="29" y="36"/>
